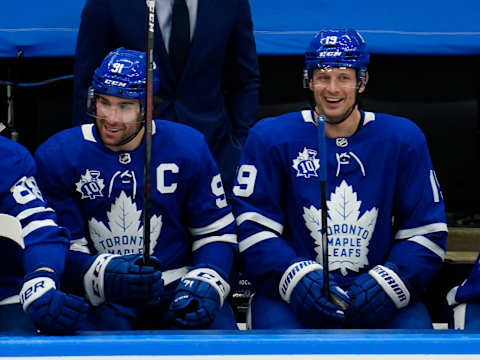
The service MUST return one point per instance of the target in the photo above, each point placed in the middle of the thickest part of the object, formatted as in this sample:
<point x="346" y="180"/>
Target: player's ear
<point x="363" y="83"/>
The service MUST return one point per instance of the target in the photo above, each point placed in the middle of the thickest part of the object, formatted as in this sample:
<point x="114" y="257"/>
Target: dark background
<point x="440" y="94"/>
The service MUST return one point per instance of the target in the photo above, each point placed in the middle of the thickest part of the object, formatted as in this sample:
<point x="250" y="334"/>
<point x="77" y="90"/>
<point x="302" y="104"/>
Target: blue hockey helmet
<point x="123" y="74"/>
<point x="336" y="48"/>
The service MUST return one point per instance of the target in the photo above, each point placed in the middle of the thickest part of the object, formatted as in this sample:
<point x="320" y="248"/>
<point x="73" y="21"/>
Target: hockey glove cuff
<point x="198" y="297"/>
<point x="93" y="280"/>
<point x="51" y="310"/>
<point x="124" y="280"/>
<point x="376" y="297"/>
<point x="211" y="277"/>
<point x="301" y="286"/>
<point x="293" y="275"/>
<point x="392" y="284"/>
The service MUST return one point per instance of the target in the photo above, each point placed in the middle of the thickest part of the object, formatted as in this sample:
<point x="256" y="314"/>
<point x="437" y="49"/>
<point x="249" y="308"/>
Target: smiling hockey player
<point x="93" y="176"/>
<point x="386" y="222"/>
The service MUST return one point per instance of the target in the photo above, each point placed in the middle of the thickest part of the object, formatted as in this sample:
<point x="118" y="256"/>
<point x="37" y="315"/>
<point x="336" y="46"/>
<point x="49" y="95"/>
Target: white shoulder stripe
<point x="254" y="239"/>
<point x="368" y="117"/>
<point x="35" y="225"/>
<point x="307" y="116"/>
<point x="228" y="238"/>
<point x="29" y="212"/>
<point x="154" y="128"/>
<point x="215" y="226"/>
<point x="260" y="219"/>
<point x="430" y="245"/>
<point x="79" y="245"/>
<point x="421" y="230"/>
<point x="87" y="131"/>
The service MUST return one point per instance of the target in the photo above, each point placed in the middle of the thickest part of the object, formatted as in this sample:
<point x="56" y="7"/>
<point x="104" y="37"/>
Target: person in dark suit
<point x="215" y="91"/>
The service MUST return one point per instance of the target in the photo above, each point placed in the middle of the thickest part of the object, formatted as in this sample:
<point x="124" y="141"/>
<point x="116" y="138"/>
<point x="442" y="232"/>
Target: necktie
<point x="180" y="36"/>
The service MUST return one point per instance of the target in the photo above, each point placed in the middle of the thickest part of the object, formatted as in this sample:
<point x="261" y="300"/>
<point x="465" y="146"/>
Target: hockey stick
<point x="147" y="175"/>
<point x="322" y="155"/>
<point x="10" y="228"/>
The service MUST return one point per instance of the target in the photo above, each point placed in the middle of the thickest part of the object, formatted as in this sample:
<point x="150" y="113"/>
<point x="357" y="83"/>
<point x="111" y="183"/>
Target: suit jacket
<point x="218" y="91"/>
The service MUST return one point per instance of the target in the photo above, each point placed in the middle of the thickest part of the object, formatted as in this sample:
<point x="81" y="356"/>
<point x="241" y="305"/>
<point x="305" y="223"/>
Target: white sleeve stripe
<point x="15" y="299"/>
<point x="29" y="212"/>
<point x="79" y="245"/>
<point x="260" y="219"/>
<point x="215" y="226"/>
<point x="228" y="238"/>
<point x="421" y="230"/>
<point x="35" y="225"/>
<point x="254" y="239"/>
<point x="430" y="245"/>
<point x="459" y="316"/>
<point x="451" y="295"/>
<point x="433" y="183"/>
<point x="87" y="131"/>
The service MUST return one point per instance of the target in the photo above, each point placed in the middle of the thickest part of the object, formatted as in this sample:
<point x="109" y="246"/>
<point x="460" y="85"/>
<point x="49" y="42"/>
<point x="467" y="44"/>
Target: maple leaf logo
<point x="348" y="233"/>
<point x="124" y="235"/>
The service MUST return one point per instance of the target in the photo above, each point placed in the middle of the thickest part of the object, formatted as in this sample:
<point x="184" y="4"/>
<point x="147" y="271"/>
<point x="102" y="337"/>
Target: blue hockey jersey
<point x="383" y="198"/>
<point x="45" y="242"/>
<point x="98" y="196"/>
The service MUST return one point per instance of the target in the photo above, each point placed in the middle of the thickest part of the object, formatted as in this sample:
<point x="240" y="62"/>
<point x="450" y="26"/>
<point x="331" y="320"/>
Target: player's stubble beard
<point x="126" y="138"/>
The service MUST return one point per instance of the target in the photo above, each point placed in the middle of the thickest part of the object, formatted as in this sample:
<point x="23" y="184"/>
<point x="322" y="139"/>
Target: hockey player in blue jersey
<point x="386" y="223"/>
<point x="34" y="249"/>
<point x="464" y="302"/>
<point x="93" y="176"/>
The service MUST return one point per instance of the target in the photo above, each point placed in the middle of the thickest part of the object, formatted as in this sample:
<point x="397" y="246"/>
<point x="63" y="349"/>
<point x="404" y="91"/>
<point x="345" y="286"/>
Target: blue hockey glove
<point x="51" y="310"/>
<point x="123" y="280"/>
<point x="302" y="287"/>
<point x="376" y="297"/>
<point x="198" y="298"/>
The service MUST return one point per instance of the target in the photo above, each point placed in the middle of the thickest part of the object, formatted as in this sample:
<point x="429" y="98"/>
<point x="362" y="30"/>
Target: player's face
<point x="335" y="91"/>
<point x="117" y="119"/>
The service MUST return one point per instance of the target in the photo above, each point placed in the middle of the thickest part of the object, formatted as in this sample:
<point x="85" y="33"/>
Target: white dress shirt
<point x="164" y="15"/>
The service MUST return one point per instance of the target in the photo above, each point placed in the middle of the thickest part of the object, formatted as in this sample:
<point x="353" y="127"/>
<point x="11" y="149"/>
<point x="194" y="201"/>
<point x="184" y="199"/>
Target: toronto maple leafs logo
<point x="306" y="164"/>
<point x="124" y="235"/>
<point x="90" y="185"/>
<point x="348" y="233"/>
